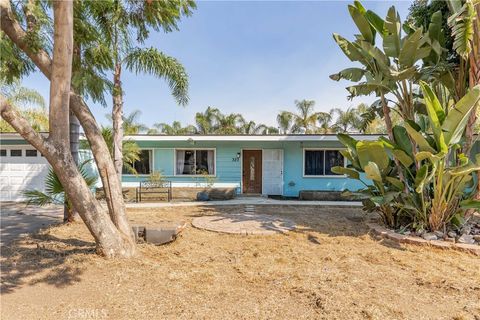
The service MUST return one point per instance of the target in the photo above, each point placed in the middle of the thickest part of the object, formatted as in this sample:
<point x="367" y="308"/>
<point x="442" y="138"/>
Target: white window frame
<point x="323" y="175"/>
<point x="195" y="175"/>
<point x="152" y="157"/>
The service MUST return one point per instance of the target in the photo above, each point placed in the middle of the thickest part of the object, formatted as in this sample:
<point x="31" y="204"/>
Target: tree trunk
<point x="100" y="151"/>
<point x="117" y="119"/>
<point x="69" y="215"/>
<point x="110" y="241"/>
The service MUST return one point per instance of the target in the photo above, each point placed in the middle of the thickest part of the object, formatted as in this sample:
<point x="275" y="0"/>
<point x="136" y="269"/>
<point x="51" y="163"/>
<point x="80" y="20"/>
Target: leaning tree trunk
<point x="100" y="151"/>
<point x="117" y="119"/>
<point x="110" y="240"/>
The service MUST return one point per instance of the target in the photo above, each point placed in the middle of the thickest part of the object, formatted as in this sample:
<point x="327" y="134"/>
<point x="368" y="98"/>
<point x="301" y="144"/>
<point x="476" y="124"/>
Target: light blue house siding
<point x="229" y="170"/>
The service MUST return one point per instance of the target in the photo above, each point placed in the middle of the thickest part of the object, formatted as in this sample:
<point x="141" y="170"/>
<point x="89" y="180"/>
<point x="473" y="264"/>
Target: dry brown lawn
<point x="330" y="268"/>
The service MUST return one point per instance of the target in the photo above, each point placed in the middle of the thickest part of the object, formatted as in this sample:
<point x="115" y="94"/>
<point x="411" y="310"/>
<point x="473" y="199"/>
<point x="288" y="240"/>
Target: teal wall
<point x="229" y="171"/>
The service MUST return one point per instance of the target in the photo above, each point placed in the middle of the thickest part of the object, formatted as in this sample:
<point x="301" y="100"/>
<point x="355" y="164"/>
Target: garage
<point x="21" y="168"/>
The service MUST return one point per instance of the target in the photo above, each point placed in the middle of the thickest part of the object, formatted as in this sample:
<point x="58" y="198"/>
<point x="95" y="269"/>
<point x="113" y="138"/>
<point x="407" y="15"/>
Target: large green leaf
<point x="419" y="139"/>
<point x="372" y="151"/>
<point x="353" y="174"/>
<point x="420" y="178"/>
<point x="352" y="74"/>
<point x="434" y="158"/>
<point x="401" y="139"/>
<point x="376" y="22"/>
<point x="408" y="52"/>
<point x="391" y="39"/>
<point x="397" y="183"/>
<point x="348" y="48"/>
<point x="357" y="12"/>
<point x="462" y="24"/>
<point x="347" y="141"/>
<point x="372" y="172"/>
<point x="454" y="124"/>
<point x="436" y="115"/>
<point x="403" y="157"/>
<point x="404" y="74"/>
<point x="470" y="204"/>
<point x="367" y="88"/>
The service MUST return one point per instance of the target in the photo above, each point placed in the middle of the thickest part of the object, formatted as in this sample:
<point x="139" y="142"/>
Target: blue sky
<point x="254" y="58"/>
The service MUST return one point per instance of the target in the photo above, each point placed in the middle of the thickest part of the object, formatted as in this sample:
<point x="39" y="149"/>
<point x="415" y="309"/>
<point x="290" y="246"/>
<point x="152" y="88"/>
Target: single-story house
<point x="253" y="164"/>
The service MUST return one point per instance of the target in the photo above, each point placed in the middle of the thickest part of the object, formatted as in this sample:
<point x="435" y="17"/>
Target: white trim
<point x="298" y="138"/>
<point x="194" y="175"/>
<point x="152" y="162"/>
<point x="322" y="176"/>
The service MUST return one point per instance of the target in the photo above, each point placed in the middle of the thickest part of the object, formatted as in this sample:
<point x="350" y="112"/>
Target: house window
<point x="16" y="153"/>
<point x="30" y="153"/>
<point x="320" y="162"/>
<point x="3" y="153"/>
<point x="142" y="166"/>
<point x="195" y="162"/>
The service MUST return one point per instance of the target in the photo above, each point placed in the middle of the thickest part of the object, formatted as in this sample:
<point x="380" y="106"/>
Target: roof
<point x="213" y="137"/>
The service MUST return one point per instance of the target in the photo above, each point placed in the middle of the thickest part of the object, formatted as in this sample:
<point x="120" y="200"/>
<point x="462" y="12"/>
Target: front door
<point x="252" y="171"/>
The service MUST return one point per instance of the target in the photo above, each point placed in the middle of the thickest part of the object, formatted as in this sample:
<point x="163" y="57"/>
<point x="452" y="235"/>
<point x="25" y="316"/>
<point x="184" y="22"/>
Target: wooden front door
<point x="252" y="171"/>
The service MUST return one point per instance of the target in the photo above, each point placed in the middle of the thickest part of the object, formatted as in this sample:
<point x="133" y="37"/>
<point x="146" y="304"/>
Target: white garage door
<point x="21" y="168"/>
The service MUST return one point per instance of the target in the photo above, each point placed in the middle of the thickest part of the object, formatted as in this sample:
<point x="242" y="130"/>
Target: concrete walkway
<point x="16" y="219"/>
<point x="246" y="201"/>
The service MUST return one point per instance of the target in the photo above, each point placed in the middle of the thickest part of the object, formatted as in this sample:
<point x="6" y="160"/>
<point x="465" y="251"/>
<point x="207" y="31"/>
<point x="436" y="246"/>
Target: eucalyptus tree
<point x="110" y="228"/>
<point x="127" y="23"/>
<point x="206" y="121"/>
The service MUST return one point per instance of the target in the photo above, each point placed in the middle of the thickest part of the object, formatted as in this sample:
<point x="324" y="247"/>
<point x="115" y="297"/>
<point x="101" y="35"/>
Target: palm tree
<point x="28" y="102"/>
<point x="325" y="123"/>
<point x="229" y="123"/>
<point x="205" y="121"/>
<point x="346" y="120"/>
<point x="55" y="193"/>
<point x="174" y="129"/>
<point x="131" y="125"/>
<point x="305" y="121"/>
<point x="123" y="23"/>
<point x="251" y="127"/>
<point x="285" y="121"/>
<point x="131" y="150"/>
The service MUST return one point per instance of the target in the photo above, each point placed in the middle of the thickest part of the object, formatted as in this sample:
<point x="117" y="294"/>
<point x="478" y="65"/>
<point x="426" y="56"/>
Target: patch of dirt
<point x="329" y="268"/>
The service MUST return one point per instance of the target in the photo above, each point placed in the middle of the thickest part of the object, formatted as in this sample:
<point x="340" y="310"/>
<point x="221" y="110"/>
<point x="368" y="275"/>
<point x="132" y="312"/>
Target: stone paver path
<point x="245" y="223"/>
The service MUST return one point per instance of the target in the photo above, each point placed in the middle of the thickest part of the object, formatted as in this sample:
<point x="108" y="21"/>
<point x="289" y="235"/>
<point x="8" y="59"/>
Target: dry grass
<point x="330" y="268"/>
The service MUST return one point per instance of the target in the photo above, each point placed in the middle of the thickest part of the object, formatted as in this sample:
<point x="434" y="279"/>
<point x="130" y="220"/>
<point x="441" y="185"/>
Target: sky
<point x="255" y="58"/>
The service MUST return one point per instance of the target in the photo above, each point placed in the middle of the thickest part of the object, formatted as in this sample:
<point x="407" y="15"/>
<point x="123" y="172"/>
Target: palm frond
<point x="151" y="61"/>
